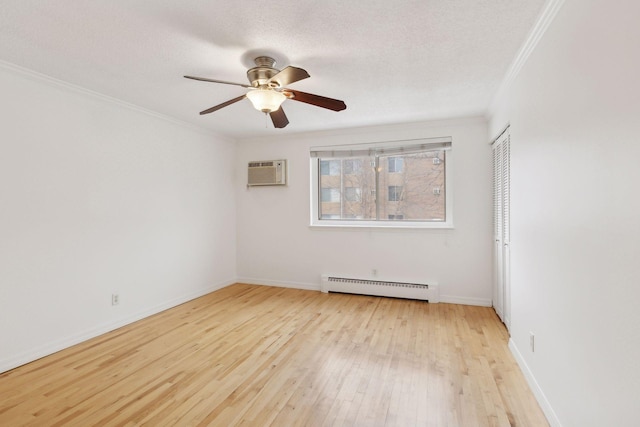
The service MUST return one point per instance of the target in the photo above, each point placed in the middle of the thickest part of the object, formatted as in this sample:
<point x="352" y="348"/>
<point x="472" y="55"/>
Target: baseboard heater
<point x="418" y="291"/>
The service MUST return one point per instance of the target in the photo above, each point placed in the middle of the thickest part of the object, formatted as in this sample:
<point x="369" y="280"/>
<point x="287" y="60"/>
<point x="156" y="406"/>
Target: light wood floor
<point x="259" y="356"/>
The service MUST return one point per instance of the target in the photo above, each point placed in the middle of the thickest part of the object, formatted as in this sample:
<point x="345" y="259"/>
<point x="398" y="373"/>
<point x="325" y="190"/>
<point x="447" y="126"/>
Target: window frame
<point x="444" y="143"/>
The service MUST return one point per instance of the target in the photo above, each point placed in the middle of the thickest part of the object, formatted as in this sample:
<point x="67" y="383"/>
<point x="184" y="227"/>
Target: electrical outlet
<point x="532" y="341"/>
<point x="115" y="299"/>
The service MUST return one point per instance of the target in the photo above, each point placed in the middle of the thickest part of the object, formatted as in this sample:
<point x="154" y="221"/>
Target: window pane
<point x="415" y="187"/>
<point x="330" y="216"/>
<point x="331" y="195"/>
<point x="352" y="166"/>
<point x="330" y="167"/>
<point x="324" y="167"/>
<point x="326" y="195"/>
<point x="410" y="187"/>
<point x="353" y="195"/>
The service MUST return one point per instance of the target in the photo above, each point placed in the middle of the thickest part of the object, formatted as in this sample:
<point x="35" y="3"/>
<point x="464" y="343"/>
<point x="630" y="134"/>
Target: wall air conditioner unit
<point x="267" y="172"/>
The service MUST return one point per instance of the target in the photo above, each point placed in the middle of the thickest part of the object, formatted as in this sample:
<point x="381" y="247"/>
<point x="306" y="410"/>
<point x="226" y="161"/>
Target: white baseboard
<point x="66" y="342"/>
<point x="450" y="299"/>
<point x="535" y="387"/>
<point x="482" y="302"/>
<point x="279" y="283"/>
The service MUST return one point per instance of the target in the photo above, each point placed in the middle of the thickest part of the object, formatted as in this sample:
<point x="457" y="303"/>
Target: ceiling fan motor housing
<point x="262" y="72"/>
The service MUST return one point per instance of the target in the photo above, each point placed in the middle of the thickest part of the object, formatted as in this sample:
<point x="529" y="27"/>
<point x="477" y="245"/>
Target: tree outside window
<point x="352" y="166"/>
<point x="352" y="194"/>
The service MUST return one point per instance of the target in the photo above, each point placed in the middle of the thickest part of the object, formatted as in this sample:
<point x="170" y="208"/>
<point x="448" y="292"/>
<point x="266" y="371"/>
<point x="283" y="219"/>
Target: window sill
<point x="381" y="224"/>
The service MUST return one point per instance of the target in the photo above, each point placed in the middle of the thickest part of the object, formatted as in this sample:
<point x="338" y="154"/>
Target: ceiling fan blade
<point x="289" y="75"/>
<point x="224" y="104"/>
<point x="279" y="118"/>
<point x="203" y="79"/>
<point x="317" y="100"/>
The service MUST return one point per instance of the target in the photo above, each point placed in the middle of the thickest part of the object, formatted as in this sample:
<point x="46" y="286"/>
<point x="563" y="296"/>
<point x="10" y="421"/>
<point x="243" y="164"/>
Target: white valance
<point x="377" y="149"/>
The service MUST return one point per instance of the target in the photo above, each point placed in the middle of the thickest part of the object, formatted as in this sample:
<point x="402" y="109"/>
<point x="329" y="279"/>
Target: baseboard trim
<point x="279" y="283"/>
<point x="61" y="344"/>
<point x="482" y="302"/>
<point x="535" y="387"/>
<point x="450" y="299"/>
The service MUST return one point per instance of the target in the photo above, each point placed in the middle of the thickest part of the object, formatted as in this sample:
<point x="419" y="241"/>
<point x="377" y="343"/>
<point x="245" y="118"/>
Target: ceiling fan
<point x="267" y="90"/>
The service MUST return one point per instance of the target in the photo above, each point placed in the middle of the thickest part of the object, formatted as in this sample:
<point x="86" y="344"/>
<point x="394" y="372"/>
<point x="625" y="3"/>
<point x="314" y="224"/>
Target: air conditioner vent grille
<point x="260" y="164"/>
<point x="267" y="172"/>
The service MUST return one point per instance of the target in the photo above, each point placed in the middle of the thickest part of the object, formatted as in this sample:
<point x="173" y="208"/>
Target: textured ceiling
<point x="390" y="61"/>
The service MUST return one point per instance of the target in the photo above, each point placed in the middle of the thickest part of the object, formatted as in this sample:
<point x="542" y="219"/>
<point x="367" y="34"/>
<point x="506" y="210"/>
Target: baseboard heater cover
<point x="418" y="291"/>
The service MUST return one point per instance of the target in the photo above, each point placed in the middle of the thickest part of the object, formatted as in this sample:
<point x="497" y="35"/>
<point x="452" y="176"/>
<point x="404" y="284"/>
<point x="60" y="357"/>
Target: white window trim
<point x="345" y="223"/>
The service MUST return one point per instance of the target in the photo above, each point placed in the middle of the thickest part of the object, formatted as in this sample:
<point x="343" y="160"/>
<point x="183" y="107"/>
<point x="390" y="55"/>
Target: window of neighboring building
<point x="368" y="184"/>
<point x="330" y="195"/>
<point x="330" y="167"/>
<point x="395" y="164"/>
<point x="352" y="166"/>
<point x="395" y="193"/>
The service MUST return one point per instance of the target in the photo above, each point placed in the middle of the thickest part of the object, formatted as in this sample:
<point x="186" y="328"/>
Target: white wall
<point x="277" y="246"/>
<point x="574" y="111"/>
<point x="98" y="197"/>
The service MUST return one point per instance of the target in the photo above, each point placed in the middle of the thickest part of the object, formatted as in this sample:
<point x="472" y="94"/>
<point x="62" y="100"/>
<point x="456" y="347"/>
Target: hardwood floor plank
<point x="261" y="356"/>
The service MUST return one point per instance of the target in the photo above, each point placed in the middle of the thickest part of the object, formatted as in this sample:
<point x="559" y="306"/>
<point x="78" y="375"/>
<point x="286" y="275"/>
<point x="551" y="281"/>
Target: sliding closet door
<point x="501" y="215"/>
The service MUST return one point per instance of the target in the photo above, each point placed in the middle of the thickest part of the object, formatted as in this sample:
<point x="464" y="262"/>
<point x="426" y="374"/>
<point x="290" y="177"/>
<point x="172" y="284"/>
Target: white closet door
<point x="501" y="215"/>
<point x="498" y="290"/>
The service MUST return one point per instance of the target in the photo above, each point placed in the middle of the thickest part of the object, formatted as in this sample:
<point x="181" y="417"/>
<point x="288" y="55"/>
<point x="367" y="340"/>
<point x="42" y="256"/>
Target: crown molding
<point x="52" y="81"/>
<point x="545" y="19"/>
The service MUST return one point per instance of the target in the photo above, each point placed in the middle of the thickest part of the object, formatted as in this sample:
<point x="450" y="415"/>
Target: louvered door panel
<point x="501" y="225"/>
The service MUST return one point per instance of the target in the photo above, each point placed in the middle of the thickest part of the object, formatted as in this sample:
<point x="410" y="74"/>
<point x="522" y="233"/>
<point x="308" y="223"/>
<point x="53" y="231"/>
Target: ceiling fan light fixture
<point x="266" y="100"/>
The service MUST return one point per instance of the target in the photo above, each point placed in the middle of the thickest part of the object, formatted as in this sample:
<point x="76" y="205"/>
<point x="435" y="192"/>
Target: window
<point x="352" y="166"/>
<point x="395" y="164"/>
<point x="330" y="195"/>
<point x="395" y="193"/>
<point x="371" y="184"/>
<point x="330" y="167"/>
